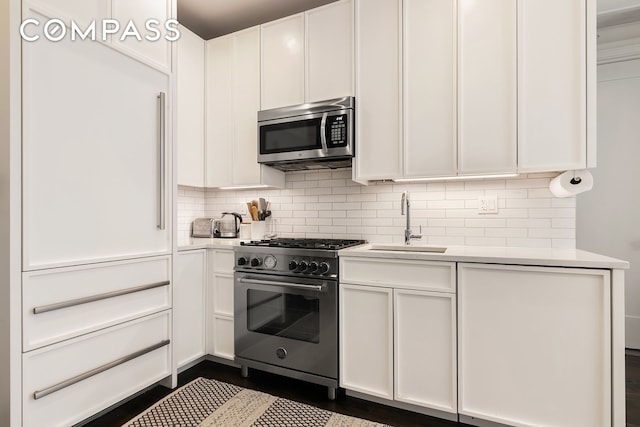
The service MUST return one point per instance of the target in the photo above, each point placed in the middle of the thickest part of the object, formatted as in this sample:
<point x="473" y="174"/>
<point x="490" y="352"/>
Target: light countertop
<point x="482" y="254"/>
<point x="206" y="243"/>
<point x="497" y="255"/>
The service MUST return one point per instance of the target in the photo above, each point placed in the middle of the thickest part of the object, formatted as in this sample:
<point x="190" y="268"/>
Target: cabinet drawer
<point x="70" y="381"/>
<point x="399" y="273"/>
<point x="63" y="303"/>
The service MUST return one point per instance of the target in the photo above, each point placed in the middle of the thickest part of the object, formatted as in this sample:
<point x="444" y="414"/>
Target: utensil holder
<point x="258" y="230"/>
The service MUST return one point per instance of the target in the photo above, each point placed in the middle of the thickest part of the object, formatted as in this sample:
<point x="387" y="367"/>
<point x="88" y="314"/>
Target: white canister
<point x="245" y="231"/>
<point x="258" y="230"/>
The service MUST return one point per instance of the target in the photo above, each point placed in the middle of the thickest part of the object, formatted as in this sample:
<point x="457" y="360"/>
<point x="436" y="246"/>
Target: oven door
<point x="288" y="322"/>
<point x="311" y="136"/>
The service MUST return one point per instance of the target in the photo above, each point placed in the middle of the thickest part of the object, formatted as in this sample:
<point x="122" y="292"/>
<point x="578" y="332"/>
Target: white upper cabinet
<point x="219" y="111"/>
<point x="157" y="52"/>
<point x="487" y="87"/>
<point x="93" y="172"/>
<point x="246" y="103"/>
<point x="553" y="87"/>
<point x="329" y="51"/>
<point x="308" y="57"/>
<point x="378" y="89"/>
<point x="190" y="93"/>
<point x="283" y="62"/>
<point x="83" y="12"/>
<point x="139" y="28"/>
<point x="233" y="101"/>
<point x="430" y="88"/>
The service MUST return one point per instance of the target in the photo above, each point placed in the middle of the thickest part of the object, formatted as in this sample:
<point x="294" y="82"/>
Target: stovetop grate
<point x="322" y="244"/>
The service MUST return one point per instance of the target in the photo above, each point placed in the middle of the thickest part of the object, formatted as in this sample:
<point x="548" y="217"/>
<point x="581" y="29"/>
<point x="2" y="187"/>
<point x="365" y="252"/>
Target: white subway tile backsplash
<point x="328" y="203"/>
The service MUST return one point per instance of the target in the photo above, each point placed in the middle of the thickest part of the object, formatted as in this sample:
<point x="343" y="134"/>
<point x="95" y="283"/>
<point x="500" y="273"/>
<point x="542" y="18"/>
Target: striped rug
<point x="210" y="403"/>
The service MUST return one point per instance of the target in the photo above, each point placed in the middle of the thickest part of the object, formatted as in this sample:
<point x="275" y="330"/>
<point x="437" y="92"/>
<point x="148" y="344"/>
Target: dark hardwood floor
<point x="316" y="395"/>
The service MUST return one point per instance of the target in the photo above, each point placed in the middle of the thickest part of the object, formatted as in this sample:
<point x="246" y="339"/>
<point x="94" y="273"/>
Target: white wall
<point x="605" y="6"/>
<point x="10" y="229"/>
<point x="608" y="217"/>
<point x="328" y="204"/>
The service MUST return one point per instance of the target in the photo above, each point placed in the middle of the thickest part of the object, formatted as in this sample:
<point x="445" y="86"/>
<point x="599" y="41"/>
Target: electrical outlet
<point x="488" y="205"/>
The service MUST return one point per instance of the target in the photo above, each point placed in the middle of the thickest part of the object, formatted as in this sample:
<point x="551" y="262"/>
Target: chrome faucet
<point x="408" y="234"/>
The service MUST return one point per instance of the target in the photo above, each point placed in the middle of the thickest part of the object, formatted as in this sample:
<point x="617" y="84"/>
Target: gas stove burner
<point x="322" y="244"/>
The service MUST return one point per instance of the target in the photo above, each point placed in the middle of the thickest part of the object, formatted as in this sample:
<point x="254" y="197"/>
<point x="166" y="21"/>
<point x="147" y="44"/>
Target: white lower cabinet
<point x="189" y="306"/>
<point x="425" y="349"/>
<point x="535" y="345"/>
<point x="398" y="332"/>
<point x="70" y="381"/>
<point x="219" y="318"/>
<point x="63" y="303"/>
<point x="366" y="340"/>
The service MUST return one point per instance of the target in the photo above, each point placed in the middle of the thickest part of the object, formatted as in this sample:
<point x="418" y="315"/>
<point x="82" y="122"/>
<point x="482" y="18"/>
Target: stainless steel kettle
<point x="227" y="228"/>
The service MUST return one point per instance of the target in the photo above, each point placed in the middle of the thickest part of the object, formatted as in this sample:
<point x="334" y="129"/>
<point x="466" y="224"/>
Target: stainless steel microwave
<point x="308" y="136"/>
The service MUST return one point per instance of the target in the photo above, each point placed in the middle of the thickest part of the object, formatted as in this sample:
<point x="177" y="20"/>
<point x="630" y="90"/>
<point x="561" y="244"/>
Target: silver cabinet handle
<point x="319" y="288"/>
<point x="39" y="394"/>
<point x="85" y="300"/>
<point x="323" y="133"/>
<point x="162" y="160"/>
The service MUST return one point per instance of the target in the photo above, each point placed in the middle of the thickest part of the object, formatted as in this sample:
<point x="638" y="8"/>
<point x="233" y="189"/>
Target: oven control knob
<point x="243" y="260"/>
<point x="324" y="268"/>
<point x="293" y="265"/>
<point x="281" y="353"/>
<point x="313" y="267"/>
<point x="256" y="262"/>
<point x="302" y="266"/>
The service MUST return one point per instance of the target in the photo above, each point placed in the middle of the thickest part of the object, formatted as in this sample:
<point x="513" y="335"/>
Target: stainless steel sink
<point x="405" y="248"/>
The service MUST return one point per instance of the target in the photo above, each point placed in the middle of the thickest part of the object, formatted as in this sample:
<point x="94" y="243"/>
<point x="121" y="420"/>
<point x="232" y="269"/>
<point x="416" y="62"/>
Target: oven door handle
<point x="319" y="288"/>
<point x="323" y="133"/>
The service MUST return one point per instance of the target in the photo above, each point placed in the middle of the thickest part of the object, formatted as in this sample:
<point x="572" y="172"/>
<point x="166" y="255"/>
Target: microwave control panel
<point x="337" y="131"/>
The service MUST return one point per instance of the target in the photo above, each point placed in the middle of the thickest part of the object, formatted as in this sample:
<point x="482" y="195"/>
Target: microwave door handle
<point x="323" y="133"/>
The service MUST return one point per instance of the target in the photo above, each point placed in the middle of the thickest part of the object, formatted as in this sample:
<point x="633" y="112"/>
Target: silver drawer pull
<point x="93" y="298"/>
<point x="39" y="394"/>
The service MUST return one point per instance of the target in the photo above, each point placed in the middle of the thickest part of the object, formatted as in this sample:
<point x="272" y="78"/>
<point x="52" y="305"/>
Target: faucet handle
<point x="417" y="236"/>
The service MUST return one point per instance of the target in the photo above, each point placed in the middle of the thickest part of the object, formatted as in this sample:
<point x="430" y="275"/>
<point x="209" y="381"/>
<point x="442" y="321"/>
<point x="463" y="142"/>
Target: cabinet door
<point x="378" y="89"/>
<point x="83" y="12"/>
<point x="246" y="103"/>
<point x="487" y="137"/>
<point x="190" y="93"/>
<point x="219" y="111"/>
<point x="91" y="151"/>
<point x="366" y="340"/>
<point x="188" y="306"/>
<point x="156" y="52"/>
<point x="329" y="51"/>
<point x="283" y="62"/>
<point x="219" y="323"/>
<point x="534" y="345"/>
<point x="425" y="349"/>
<point x="552" y="75"/>
<point x="430" y="87"/>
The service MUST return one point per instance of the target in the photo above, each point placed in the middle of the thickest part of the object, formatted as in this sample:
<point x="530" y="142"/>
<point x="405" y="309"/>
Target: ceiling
<point x="213" y="18"/>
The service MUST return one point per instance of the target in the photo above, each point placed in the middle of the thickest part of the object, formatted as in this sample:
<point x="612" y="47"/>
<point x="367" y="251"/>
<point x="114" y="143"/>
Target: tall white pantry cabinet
<point x="89" y="300"/>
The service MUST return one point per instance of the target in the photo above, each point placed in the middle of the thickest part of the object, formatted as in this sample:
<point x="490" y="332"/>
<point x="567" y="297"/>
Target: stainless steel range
<point x="286" y="308"/>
